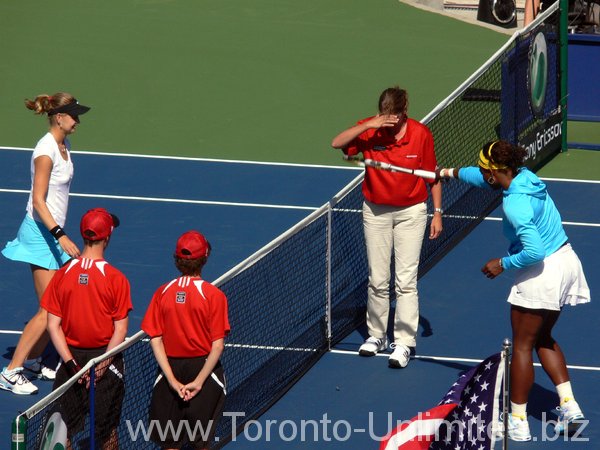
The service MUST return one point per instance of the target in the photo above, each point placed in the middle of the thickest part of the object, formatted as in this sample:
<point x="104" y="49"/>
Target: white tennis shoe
<point x="16" y="382"/>
<point x="40" y="371"/>
<point x="372" y="346"/>
<point x="518" y="429"/>
<point x="569" y="417"/>
<point x="400" y="356"/>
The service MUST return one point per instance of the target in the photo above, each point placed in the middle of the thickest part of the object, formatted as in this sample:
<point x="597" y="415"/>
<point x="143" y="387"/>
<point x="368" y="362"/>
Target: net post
<point x="328" y="275"/>
<point x="18" y="440"/>
<point x="93" y="406"/>
<point x="564" y="65"/>
<point x="506" y="352"/>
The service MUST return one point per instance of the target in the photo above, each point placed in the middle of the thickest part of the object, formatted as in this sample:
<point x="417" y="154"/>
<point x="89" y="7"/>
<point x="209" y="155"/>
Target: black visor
<point x="72" y="109"/>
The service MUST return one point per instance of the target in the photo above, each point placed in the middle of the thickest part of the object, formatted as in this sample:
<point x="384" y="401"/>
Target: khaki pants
<point x="400" y="229"/>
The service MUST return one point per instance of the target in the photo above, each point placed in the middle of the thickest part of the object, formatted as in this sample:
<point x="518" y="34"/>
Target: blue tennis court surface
<point x="241" y="207"/>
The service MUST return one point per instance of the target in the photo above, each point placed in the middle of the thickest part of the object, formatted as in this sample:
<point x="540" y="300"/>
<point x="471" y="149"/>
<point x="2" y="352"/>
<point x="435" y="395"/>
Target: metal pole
<point x="564" y="65"/>
<point x="92" y="398"/>
<point x="328" y="313"/>
<point x="506" y="352"/>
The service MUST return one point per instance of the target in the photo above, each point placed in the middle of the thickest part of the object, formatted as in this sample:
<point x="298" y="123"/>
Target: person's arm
<point x="520" y="216"/>
<point x="343" y="139"/>
<point x="469" y="175"/>
<point x="119" y="333"/>
<point x="58" y="337"/>
<point x="41" y="181"/>
<point x="158" y="348"/>
<point x="59" y="340"/>
<point x="191" y="389"/>
<point x="436" y="222"/>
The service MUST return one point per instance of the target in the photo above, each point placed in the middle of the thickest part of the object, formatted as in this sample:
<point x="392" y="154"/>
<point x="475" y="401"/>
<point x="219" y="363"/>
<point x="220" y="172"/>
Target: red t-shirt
<point x="89" y="295"/>
<point x="413" y="151"/>
<point x="190" y="314"/>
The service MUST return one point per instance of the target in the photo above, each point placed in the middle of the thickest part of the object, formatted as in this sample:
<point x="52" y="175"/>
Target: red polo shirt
<point x="89" y="295"/>
<point x="190" y="314"/>
<point x="413" y="151"/>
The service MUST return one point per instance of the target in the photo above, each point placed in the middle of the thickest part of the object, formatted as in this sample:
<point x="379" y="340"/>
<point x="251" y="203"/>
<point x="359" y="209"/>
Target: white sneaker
<point x="400" y="356"/>
<point x="40" y="371"/>
<point x="518" y="429"/>
<point x="373" y="345"/>
<point x="569" y="417"/>
<point x="15" y="381"/>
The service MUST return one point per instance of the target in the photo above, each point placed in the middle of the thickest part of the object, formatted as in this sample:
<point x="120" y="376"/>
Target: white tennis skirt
<point x="556" y="281"/>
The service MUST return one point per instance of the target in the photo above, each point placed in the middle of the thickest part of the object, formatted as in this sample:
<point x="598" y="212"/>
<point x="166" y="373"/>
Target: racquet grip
<point x="424" y="174"/>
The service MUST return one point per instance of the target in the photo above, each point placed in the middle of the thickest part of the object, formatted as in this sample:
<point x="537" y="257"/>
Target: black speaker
<point x="502" y="13"/>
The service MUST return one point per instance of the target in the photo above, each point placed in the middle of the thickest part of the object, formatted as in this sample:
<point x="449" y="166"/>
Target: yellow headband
<point x="487" y="163"/>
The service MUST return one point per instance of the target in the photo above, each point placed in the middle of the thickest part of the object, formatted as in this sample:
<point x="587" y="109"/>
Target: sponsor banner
<point x="543" y="141"/>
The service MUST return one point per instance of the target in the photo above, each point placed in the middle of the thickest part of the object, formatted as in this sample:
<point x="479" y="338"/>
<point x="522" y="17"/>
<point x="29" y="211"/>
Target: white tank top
<point x="60" y="179"/>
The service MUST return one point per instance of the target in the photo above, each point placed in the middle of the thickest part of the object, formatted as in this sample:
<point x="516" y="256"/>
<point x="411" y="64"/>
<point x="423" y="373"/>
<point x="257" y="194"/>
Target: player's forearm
<point x="119" y="333"/>
<point x="158" y="348"/>
<point x="211" y="360"/>
<point x="58" y="339"/>
<point x="436" y="195"/>
<point x="345" y="137"/>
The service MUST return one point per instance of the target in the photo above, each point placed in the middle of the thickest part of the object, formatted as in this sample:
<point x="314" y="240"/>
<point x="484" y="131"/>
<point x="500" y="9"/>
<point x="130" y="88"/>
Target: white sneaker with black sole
<point x="16" y="382"/>
<point x="400" y="356"/>
<point x="40" y="371"/>
<point x="372" y="346"/>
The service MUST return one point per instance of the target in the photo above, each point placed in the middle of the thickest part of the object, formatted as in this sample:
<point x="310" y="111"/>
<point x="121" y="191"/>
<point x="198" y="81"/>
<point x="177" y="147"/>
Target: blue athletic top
<point x="530" y="220"/>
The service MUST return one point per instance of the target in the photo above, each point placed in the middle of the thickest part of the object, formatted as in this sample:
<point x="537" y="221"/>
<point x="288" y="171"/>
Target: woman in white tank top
<point x="41" y="240"/>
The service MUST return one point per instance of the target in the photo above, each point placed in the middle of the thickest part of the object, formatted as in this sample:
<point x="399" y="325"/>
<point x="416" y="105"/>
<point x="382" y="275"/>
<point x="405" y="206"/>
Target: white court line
<point x="571" y="180"/>
<point x="447" y="358"/>
<point x="270" y="347"/>
<point x="259" y="163"/>
<point x="189" y="158"/>
<point x="354" y="353"/>
<point x="564" y="222"/>
<point x="254" y="205"/>
<point x="174" y="200"/>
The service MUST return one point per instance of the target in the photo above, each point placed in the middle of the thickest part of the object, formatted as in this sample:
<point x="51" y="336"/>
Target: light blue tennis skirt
<point x="35" y="245"/>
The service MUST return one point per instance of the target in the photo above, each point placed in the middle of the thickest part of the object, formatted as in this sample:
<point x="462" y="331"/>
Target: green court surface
<point x="270" y="80"/>
<point x="573" y="164"/>
<point x="262" y="80"/>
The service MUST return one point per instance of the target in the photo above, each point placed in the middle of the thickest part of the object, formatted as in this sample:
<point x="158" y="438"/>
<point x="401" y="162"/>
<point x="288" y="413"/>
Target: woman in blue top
<point x="548" y="276"/>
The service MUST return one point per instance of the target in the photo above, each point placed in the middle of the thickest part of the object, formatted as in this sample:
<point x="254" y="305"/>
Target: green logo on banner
<point x="55" y="434"/>
<point x="538" y="73"/>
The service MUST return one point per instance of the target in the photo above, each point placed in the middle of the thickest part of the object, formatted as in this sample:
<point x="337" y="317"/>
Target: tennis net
<point x="305" y="291"/>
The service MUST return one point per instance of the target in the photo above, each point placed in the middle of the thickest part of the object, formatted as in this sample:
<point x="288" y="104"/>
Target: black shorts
<point x="109" y="392"/>
<point x="202" y="412"/>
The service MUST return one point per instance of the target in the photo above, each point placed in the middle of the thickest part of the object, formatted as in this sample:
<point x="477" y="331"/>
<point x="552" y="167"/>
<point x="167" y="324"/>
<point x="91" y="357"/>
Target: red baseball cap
<point x="192" y="245"/>
<point x="98" y="224"/>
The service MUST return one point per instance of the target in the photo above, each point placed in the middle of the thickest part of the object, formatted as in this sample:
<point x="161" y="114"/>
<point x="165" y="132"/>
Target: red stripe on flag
<point x="418" y="432"/>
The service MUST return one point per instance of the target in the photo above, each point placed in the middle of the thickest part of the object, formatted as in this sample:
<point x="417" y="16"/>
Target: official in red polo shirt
<point x="88" y="302"/>
<point x="394" y="217"/>
<point x="187" y="322"/>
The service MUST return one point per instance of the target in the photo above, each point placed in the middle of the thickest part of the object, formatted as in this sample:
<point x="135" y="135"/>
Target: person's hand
<point x="441" y="174"/>
<point x="383" y="121"/>
<point x="177" y="387"/>
<point x="435" y="229"/>
<point x="190" y="390"/>
<point x="99" y="371"/>
<point x="69" y="246"/>
<point x="493" y="268"/>
<point x="85" y="380"/>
